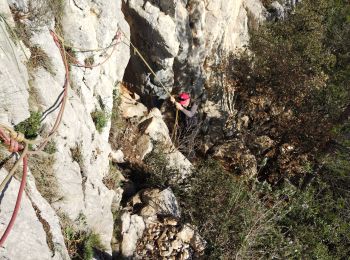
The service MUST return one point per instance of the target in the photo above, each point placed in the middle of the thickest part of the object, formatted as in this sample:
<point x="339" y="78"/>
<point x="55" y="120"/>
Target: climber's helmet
<point x="184" y="99"/>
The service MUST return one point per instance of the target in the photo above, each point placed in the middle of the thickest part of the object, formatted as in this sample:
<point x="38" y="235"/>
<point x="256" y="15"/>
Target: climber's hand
<point x="178" y="106"/>
<point x="172" y="99"/>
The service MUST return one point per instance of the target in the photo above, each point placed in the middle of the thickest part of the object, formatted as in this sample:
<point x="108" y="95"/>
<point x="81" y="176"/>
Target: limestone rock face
<point x="89" y="25"/>
<point x="14" y="95"/>
<point x="185" y="35"/>
<point x="158" y="131"/>
<point x="132" y="230"/>
<point x="35" y="221"/>
<point x="81" y="160"/>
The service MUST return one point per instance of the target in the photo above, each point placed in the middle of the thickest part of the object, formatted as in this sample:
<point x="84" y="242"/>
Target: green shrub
<point x="100" y="119"/>
<point x="30" y="127"/>
<point x="232" y="216"/>
<point x="318" y="222"/>
<point x="257" y="221"/>
<point x="80" y="241"/>
<point x="50" y="147"/>
<point x="159" y="172"/>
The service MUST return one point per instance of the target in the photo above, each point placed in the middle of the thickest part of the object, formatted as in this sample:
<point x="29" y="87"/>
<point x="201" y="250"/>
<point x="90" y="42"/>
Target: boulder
<point x="164" y="202"/>
<point x="132" y="230"/>
<point x="117" y="156"/>
<point x="129" y="104"/>
<point x="153" y="126"/>
<point x="277" y="11"/>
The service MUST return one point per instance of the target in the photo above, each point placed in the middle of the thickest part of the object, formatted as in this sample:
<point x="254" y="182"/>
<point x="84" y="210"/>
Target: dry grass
<point x="39" y="58"/>
<point x="113" y="179"/>
<point x="77" y="155"/>
<point x="41" y="166"/>
<point x="186" y="140"/>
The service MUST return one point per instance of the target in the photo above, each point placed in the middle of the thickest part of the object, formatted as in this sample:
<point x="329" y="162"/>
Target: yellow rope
<point x="14" y="168"/>
<point x="155" y="75"/>
<point x="20" y="137"/>
<point x="15" y="35"/>
<point x="176" y="124"/>
<point x="144" y="61"/>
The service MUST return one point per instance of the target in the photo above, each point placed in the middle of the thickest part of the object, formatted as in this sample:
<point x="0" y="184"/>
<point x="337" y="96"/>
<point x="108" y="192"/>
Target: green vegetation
<point x="159" y="172"/>
<point x="295" y="85"/>
<point x="81" y="242"/>
<point x="50" y="147"/>
<point x="118" y="123"/>
<point x="31" y="126"/>
<point x="257" y="221"/>
<point x="100" y="119"/>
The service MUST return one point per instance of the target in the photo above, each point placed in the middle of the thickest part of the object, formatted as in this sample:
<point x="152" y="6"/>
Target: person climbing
<point x="185" y="126"/>
<point x="185" y="105"/>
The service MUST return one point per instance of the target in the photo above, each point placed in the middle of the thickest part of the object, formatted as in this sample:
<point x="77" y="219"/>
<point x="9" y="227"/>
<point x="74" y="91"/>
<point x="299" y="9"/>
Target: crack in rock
<point x="74" y="2"/>
<point x="46" y="227"/>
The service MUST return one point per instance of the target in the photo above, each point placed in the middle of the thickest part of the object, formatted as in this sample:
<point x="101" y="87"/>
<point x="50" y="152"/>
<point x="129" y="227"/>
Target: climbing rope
<point x="144" y="60"/>
<point x="115" y="42"/>
<point x="130" y="44"/>
<point x="80" y="49"/>
<point x="24" y="157"/>
<point x="54" y="106"/>
<point x="15" y="140"/>
<point x="176" y="125"/>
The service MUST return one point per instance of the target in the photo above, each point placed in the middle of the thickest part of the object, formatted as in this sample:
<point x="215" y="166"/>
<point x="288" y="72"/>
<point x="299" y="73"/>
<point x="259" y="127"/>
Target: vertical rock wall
<point x="179" y="37"/>
<point x="87" y="24"/>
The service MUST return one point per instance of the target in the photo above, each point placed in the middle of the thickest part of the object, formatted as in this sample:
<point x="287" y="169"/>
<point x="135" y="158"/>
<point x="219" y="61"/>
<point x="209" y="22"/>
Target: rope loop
<point x="17" y="136"/>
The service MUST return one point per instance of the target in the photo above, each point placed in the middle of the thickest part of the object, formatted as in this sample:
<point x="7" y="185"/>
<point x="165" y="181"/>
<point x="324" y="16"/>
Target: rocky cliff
<point x="179" y="39"/>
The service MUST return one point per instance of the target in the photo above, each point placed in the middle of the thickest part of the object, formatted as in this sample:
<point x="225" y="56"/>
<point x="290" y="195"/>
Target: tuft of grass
<point x="89" y="61"/>
<point x="92" y="242"/>
<point x="112" y="180"/>
<point x="41" y="166"/>
<point x="39" y="58"/>
<point x="80" y="241"/>
<point x="100" y="119"/>
<point x="57" y="9"/>
<point x="77" y="154"/>
<point x="31" y="126"/>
